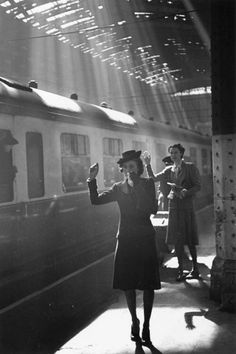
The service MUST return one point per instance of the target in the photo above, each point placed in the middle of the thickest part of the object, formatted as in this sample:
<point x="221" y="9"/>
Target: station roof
<point x="156" y="41"/>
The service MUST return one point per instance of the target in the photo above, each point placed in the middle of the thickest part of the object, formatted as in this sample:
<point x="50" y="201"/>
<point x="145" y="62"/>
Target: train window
<point x="160" y="153"/>
<point x="139" y="145"/>
<point x="7" y="170"/>
<point x="112" y="149"/>
<point x="75" y="157"/>
<point x="204" y="162"/>
<point x="193" y="155"/>
<point x="35" y="170"/>
<point x="187" y="158"/>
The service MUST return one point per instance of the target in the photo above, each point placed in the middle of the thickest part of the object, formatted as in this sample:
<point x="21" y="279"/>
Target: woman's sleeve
<point x="158" y="177"/>
<point x="105" y="197"/>
<point x="146" y="197"/>
<point x="195" y="180"/>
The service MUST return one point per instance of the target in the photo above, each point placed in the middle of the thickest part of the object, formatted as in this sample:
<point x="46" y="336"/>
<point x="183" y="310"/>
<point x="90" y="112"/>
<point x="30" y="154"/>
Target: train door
<point x="8" y="207"/>
<point x="30" y="205"/>
<point x="7" y="170"/>
<point x="35" y="165"/>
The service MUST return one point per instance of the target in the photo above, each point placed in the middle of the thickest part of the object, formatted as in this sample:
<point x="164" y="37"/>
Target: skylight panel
<point x="5" y="4"/>
<point x="35" y="24"/>
<point x="143" y="13"/>
<point x="52" y="30"/>
<point x="20" y="16"/>
<point x="63" y="14"/>
<point x="121" y="22"/>
<point x="91" y="28"/>
<point x="194" y="91"/>
<point x="110" y="48"/>
<point x="72" y="23"/>
<point x="42" y="8"/>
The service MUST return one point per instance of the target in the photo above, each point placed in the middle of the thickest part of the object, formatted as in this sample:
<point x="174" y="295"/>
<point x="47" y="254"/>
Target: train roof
<point x="46" y="105"/>
<point x="20" y="100"/>
<point x="176" y="134"/>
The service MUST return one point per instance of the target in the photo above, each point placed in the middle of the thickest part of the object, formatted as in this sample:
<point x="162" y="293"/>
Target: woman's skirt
<point x="182" y="227"/>
<point x="136" y="264"/>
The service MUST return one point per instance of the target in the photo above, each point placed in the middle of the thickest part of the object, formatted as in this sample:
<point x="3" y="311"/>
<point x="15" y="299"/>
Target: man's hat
<point x="167" y="159"/>
<point x="129" y="155"/>
<point x="6" y="138"/>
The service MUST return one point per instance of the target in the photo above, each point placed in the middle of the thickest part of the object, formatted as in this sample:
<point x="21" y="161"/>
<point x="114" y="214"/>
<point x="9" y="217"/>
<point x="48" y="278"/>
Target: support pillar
<point x="223" y="50"/>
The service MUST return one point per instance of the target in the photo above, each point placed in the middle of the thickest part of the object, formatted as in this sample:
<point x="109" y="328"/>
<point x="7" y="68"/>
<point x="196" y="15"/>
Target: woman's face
<point x="130" y="167"/>
<point x="175" y="155"/>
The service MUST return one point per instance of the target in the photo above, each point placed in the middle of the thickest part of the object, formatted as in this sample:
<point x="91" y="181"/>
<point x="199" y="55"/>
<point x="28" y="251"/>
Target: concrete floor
<point x="184" y="319"/>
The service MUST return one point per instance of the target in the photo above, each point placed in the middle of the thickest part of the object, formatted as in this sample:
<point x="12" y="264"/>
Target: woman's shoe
<point x="146" y="336"/>
<point x="134" y="336"/>
<point x="180" y="276"/>
<point x="194" y="274"/>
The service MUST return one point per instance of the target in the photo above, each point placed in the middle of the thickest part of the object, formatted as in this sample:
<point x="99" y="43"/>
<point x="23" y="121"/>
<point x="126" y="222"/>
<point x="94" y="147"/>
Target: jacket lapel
<point x="124" y="187"/>
<point x="181" y="174"/>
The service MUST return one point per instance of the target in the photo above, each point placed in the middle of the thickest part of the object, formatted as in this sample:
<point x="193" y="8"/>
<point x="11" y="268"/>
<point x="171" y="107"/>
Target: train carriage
<point x="48" y="228"/>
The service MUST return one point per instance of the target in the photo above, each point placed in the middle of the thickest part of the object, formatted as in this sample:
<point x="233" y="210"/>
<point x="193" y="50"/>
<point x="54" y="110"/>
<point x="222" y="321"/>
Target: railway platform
<point x="184" y="319"/>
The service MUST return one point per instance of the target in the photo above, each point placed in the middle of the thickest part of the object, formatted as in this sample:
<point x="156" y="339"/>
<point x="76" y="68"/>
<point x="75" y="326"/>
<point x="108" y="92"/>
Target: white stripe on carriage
<point x="67" y="210"/>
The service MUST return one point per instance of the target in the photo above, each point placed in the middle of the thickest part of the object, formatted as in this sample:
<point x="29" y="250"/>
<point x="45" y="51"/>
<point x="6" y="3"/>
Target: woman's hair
<point x="139" y="166"/>
<point x="179" y="147"/>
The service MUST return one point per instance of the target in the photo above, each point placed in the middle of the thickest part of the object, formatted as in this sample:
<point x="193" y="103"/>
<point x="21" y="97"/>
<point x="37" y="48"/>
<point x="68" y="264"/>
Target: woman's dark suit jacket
<point x="135" y="263"/>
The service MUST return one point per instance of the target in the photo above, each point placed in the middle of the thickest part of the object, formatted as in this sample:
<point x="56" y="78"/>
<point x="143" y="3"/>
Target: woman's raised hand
<point x="93" y="171"/>
<point x="146" y="157"/>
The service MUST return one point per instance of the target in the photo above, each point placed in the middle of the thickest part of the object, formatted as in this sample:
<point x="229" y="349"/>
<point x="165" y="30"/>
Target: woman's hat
<point x="6" y="138"/>
<point x="129" y="155"/>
